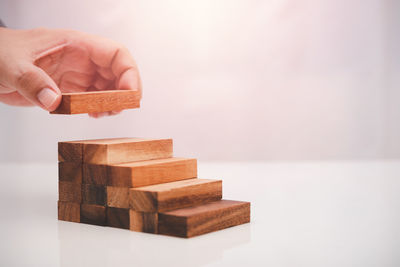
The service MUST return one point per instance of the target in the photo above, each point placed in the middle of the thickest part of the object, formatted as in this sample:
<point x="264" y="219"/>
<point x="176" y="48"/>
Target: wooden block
<point x="118" y="197"/>
<point x="71" y="151"/>
<point x="115" y="150"/>
<point x="118" y="217"/>
<point x="69" y="192"/>
<point x="143" y="221"/>
<point x="174" y="195"/>
<point x="69" y="211"/>
<point x="213" y="216"/>
<point x="98" y="101"/>
<point x="94" y="194"/>
<point x="136" y="174"/>
<point x="70" y="172"/>
<point x="94" y="174"/>
<point x="93" y="214"/>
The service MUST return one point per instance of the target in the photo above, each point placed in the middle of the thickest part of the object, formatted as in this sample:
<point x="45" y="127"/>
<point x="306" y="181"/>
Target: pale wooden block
<point x="174" y="195"/>
<point x="115" y="150"/>
<point x="143" y="173"/>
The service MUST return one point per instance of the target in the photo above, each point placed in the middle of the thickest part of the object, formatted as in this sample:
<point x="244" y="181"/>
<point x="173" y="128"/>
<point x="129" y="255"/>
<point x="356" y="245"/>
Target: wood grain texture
<point x="93" y="214"/>
<point x="136" y="174"/>
<point x="69" y="211"/>
<point x="69" y="192"/>
<point x="213" y="216"/>
<point x="118" y="217"/>
<point x="143" y="221"/>
<point x="118" y="197"/>
<point x="175" y="195"/>
<point x="94" y="194"/>
<point x="95" y="174"/>
<point x="98" y="101"/>
<point x="70" y="172"/>
<point x="115" y="150"/>
<point x="70" y="151"/>
<point x="123" y="150"/>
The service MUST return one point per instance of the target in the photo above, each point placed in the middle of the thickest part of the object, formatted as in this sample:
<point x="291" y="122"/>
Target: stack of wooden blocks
<point x="137" y="184"/>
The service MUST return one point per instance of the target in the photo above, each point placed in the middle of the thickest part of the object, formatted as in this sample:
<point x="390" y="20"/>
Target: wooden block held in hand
<point x="69" y="192"/>
<point x="143" y="221"/>
<point x="95" y="174"/>
<point x="94" y="194"/>
<point x="174" y="195"/>
<point x="93" y="214"/>
<point x="136" y="174"/>
<point x="69" y="211"/>
<point x="115" y="150"/>
<point x="118" y="217"/>
<point x="98" y="101"/>
<point x="70" y="172"/>
<point x="203" y="219"/>
<point x="118" y="197"/>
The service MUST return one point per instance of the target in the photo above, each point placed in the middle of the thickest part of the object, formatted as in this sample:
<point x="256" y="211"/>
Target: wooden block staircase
<point x="137" y="184"/>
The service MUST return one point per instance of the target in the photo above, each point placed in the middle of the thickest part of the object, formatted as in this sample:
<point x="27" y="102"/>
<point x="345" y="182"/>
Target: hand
<point x="37" y="65"/>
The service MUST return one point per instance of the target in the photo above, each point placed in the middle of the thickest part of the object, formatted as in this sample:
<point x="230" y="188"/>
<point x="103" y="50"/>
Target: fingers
<point x="114" y="62"/>
<point x="37" y="87"/>
<point x="104" y="114"/>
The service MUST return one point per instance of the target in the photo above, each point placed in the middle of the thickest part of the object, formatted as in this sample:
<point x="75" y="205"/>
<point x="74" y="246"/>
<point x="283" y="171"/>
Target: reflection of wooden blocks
<point x="70" y="172"/>
<point x="118" y="197"/>
<point x="93" y="214"/>
<point x="115" y="150"/>
<point x="98" y="101"/>
<point x="136" y="174"/>
<point x="69" y="192"/>
<point x="143" y="221"/>
<point x="188" y="222"/>
<point x="118" y="217"/>
<point x="174" y="195"/>
<point x="69" y="211"/>
<point x="94" y="194"/>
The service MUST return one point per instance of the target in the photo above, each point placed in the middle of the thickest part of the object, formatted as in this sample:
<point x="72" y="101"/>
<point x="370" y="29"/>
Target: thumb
<point x="39" y="88"/>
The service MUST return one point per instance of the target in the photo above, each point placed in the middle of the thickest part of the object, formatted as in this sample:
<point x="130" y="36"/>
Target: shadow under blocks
<point x="137" y="184"/>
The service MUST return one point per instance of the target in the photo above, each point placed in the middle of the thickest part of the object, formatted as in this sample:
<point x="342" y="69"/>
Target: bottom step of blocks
<point x="189" y="222"/>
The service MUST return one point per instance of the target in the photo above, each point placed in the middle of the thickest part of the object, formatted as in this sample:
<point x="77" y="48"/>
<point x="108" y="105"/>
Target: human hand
<point x="37" y="65"/>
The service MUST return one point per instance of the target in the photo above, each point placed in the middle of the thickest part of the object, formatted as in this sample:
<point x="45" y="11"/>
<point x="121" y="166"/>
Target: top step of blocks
<point x="98" y="101"/>
<point x="114" y="151"/>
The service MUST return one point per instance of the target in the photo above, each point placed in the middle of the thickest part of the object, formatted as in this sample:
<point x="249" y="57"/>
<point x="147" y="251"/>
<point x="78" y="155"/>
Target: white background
<point x="233" y="80"/>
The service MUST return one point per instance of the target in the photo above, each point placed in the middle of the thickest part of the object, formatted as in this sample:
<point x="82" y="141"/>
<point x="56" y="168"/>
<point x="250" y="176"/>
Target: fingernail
<point x="47" y="97"/>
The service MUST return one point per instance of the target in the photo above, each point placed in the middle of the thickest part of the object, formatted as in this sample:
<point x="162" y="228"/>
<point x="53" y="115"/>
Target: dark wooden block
<point x="118" y="197"/>
<point x="94" y="174"/>
<point x="143" y="221"/>
<point x="118" y="217"/>
<point x="69" y="192"/>
<point x="189" y="222"/>
<point x="175" y="195"/>
<point x="98" y="101"/>
<point x="70" y="172"/>
<point x="149" y="172"/>
<point x="93" y="214"/>
<point x="69" y="211"/>
<point x="94" y="194"/>
<point x="70" y="151"/>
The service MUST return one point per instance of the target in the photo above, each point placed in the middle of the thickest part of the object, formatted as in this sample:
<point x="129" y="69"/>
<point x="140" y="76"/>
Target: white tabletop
<point x="303" y="214"/>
